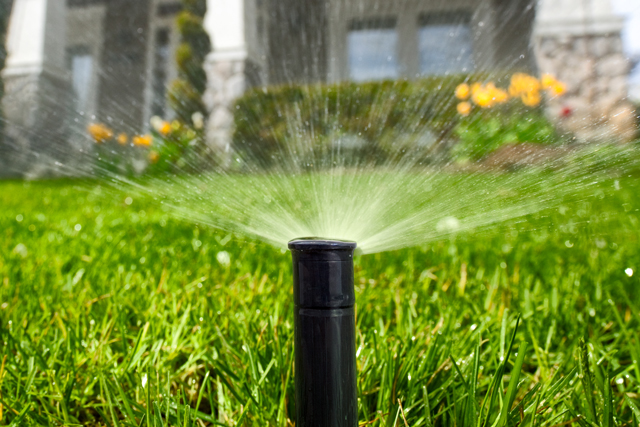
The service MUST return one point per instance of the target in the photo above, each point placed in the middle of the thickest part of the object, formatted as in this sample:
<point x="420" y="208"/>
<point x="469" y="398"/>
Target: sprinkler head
<point x="325" y="333"/>
<point x="322" y="273"/>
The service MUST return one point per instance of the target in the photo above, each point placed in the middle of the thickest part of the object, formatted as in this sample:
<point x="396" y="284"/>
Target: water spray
<point x="325" y="333"/>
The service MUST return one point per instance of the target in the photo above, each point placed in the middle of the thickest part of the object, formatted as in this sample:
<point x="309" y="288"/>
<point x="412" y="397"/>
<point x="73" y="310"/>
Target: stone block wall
<point x="227" y="80"/>
<point x="595" y="70"/>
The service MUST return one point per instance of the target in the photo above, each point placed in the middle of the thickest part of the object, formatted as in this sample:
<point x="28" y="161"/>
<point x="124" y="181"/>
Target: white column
<point x="226" y="68"/>
<point x="579" y="42"/>
<point x="36" y="37"/>
<point x="36" y="85"/>
<point x="225" y="23"/>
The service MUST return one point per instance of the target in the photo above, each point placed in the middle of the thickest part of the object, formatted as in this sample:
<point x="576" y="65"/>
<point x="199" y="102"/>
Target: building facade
<point x="73" y="62"/>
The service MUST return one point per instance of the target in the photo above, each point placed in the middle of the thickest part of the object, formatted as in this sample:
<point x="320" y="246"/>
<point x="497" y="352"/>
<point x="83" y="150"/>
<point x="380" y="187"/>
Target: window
<point x="372" y="47"/>
<point x="445" y="42"/>
<point x="160" y="72"/>
<point x="81" y="65"/>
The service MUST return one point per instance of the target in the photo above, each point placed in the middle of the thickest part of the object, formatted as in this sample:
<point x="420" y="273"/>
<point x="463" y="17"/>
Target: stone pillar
<point x="36" y="101"/>
<point x="579" y="42"/>
<point x="225" y="67"/>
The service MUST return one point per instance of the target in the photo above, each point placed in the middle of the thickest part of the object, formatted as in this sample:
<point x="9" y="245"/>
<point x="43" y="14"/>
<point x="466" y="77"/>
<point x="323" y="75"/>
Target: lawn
<point x="114" y="313"/>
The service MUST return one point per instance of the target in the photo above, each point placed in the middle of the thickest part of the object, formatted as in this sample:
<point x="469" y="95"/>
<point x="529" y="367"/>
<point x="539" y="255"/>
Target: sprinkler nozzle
<point x="325" y="332"/>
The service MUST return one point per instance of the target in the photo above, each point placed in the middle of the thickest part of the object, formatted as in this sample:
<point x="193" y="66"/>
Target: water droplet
<point x="223" y="258"/>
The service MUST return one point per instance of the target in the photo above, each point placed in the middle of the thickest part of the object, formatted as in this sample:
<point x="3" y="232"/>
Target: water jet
<point x="325" y="332"/>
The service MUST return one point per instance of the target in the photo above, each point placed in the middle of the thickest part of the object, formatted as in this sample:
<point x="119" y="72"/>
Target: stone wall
<point x="226" y="81"/>
<point x="579" y="42"/>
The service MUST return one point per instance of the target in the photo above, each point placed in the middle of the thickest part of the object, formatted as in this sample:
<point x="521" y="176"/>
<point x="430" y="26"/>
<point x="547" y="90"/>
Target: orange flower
<point x="165" y="128"/>
<point x="548" y="81"/>
<point x="142" y="140"/>
<point x="500" y="96"/>
<point x="558" y="89"/>
<point x="463" y="91"/>
<point x="554" y="86"/>
<point x="482" y="96"/>
<point x="523" y="83"/>
<point x="99" y="132"/>
<point x="154" y="157"/>
<point x="123" y="139"/>
<point x="531" y="99"/>
<point x="464" y="108"/>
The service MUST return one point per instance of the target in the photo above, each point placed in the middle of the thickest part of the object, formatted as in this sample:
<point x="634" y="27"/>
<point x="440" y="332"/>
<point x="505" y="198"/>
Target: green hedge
<point x="379" y="122"/>
<point x="384" y="115"/>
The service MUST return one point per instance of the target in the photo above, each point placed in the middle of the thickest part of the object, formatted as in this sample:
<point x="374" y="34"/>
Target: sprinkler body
<point x="325" y="341"/>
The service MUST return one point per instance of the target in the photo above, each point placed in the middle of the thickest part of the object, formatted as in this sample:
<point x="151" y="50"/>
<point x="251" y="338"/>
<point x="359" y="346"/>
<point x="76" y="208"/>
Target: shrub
<point x="186" y="92"/>
<point x="266" y="122"/>
<point x="386" y="120"/>
<point x="170" y="148"/>
<point x="487" y="130"/>
<point x="504" y="115"/>
<point x="119" y="153"/>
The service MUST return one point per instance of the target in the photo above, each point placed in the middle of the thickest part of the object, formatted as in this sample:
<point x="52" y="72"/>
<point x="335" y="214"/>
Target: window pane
<point x="373" y="50"/>
<point x="81" y="72"/>
<point x="446" y="45"/>
<point x="160" y="72"/>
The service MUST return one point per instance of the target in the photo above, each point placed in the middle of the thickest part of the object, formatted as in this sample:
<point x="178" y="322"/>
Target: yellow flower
<point x="483" y="95"/>
<point x="558" y="89"/>
<point x="123" y="139"/>
<point x="142" y="140"/>
<point x="99" y="132"/>
<point x="464" y="108"/>
<point x="500" y="96"/>
<point x="554" y="86"/>
<point x="165" y="128"/>
<point x="531" y="99"/>
<point x="523" y="83"/>
<point x="463" y="91"/>
<point x="548" y="81"/>
<point x="154" y="157"/>
<point x="483" y="98"/>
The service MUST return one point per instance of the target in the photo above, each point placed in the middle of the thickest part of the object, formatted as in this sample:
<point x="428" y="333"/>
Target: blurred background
<point x="78" y="72"/>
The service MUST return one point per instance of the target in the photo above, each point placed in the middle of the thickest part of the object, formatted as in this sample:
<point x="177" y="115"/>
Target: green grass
<point x="115" y="314"/>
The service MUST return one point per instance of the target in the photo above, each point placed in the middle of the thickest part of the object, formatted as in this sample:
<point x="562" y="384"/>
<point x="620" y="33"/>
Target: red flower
<point x="566" y="112"/>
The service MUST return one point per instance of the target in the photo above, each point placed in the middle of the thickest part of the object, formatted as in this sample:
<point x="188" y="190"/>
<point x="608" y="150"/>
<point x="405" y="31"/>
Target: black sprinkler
<point x="325" y="333"/>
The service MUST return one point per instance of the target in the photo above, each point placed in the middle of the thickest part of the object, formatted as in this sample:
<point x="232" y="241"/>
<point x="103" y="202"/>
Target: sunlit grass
<point x="114" y="313"/>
